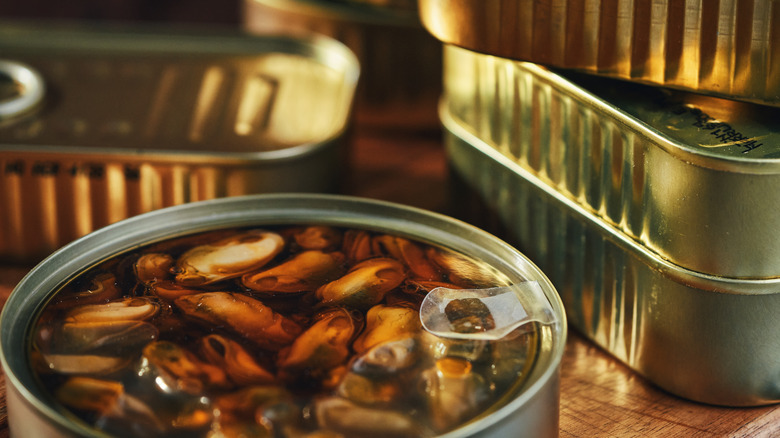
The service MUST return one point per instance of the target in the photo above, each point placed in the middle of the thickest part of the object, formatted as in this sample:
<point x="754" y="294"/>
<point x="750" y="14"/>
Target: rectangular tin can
<point x="724" y="48"/>
<point x="691" y="178"/>
<point x="711" y="339"/>
<point x="532" y="411"/>
<point x="111" y="123"/>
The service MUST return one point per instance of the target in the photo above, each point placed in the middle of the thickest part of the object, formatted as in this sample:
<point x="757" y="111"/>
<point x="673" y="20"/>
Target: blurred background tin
<point x="131" y="121"/>
<point x="724" y="48"/>
<point x="690" y="177"/>
<point x="707" y="338"/>
<point x="400" y="61"/>
<point x="534" y="410"/>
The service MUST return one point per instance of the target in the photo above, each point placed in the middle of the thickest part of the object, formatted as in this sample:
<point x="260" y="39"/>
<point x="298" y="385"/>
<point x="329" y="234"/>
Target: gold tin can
<point x="708" y="338"/>
<point x="134" y="120"/>
<point x="727" y="48"/>
<point x="400" y="81"/>
<point x="691" y="178"/>
<point x="531" y="408"/>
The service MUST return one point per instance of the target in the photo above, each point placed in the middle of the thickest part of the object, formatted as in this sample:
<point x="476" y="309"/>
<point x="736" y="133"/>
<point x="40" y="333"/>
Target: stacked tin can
<point x="639" y="168"/>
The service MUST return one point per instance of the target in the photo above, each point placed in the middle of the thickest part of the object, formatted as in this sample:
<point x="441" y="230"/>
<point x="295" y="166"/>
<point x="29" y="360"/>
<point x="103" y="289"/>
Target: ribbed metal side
<point x="708" y="213"/>
<point x="525" y="118"/>
<point x="722" y="47"/>
<point x="664" y="321"/>
<point x="49" y="203"/>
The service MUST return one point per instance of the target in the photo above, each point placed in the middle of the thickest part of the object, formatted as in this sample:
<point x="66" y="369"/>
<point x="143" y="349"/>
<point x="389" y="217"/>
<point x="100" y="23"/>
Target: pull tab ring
<point x="29" y="88"/>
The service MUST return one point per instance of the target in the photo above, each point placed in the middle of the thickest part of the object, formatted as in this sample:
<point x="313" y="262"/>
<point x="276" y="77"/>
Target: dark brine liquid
<point x="281" y="331"/>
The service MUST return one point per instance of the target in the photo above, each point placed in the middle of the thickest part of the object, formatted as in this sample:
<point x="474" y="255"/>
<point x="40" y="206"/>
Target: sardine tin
<point x="692" y="178"/>
<point x="707" y="338"/>
<point x="534" y="411"/>
<point x="726" y="48"/>
<point x="135" y="119"/>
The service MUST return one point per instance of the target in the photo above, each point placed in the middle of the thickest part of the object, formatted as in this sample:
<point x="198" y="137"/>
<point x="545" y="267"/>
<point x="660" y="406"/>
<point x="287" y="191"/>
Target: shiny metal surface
<point x="690" y="177"/>
<point x="725" y="48"/>
<point x="136" y="120"/>
<point x="533" y="411"/>
<point x="707" y="338"/>
<point x="400" y="61"/>
<point x="21" y="89"/>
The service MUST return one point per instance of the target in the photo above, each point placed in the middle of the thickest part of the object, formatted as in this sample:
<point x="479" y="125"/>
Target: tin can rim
<point x="695" y="156"/>
<point x="280" y="208"/>
<point x="742" y="286"/>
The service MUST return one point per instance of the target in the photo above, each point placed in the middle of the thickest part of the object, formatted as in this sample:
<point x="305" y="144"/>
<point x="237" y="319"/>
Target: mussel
<point x="304" y="272"/>
<point x="243" y="315"/>
<point x="364" y="285"/>
<point x="227" y="258"/>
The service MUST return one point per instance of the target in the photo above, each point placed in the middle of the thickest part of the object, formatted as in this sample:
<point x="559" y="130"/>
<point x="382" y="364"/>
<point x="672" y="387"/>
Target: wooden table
<point x="600" y="397"/>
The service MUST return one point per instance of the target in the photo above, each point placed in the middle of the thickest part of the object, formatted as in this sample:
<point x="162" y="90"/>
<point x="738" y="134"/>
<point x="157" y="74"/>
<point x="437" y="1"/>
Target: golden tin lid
<point x="728" y="49"/>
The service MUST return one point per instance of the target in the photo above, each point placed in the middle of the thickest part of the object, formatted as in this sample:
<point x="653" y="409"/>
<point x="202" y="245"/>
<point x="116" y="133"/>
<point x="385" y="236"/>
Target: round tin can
<point x="533" y="410"/>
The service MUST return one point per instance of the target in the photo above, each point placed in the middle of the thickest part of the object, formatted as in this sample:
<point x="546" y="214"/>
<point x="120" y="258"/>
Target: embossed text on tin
<point x="724" y="132"/>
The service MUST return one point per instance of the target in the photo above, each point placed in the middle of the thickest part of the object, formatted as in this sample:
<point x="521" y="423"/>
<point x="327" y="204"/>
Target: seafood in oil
<point x="227" y="258"/>
<point x="304" y="272"/>
<point x="364" y="285"/>
<point x="243" y="315"/>
<point x="285" y="331"/>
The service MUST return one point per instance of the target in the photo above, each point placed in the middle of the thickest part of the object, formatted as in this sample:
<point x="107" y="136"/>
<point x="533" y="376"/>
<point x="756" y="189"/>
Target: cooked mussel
<point x="175" y="369"/>
<point x="387" y="323"/>
<point x="227" y="258"/>
<point x="243" y="315"/>
<point x="230" y="356"/>
<point x="364" y="285"/>
<point x="304" y="272"/>
<point x="322" y="347"/>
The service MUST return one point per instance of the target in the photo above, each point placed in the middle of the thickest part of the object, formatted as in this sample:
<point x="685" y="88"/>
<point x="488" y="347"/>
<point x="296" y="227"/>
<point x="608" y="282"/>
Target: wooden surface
<point x="600" y="397"/>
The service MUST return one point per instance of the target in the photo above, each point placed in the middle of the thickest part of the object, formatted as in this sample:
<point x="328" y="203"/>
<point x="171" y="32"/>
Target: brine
<point x="279" y="331"/>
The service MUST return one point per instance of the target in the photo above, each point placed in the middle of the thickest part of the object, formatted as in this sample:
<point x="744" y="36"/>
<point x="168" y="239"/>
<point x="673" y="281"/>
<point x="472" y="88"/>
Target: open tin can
<point x="529" y="405"/>
<point x="105" y="124"/>
<point x="690" y="177"/>
<point x="705" y="337"/>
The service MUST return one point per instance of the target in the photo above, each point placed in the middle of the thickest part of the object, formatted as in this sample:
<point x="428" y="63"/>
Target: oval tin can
<point x="532" y="412"/>
<point x="707" y="338"/>
<point x="690" y="177"/>
<point x="137" y="119"/>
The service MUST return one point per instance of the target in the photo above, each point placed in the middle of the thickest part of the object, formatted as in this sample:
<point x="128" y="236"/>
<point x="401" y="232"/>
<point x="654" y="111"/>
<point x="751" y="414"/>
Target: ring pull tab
<point x="21" y="89"/>
<point x="484" y="314"/>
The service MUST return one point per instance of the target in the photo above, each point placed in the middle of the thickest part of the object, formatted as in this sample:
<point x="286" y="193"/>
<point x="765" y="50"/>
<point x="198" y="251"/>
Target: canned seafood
<point x="727" y="49"/>
<point x="134" y="120"/>
<point x="707" y="338"/>
<point x="400" y="61"/>
<point x="175" y="262"/>
<point x="690" y="177"/>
